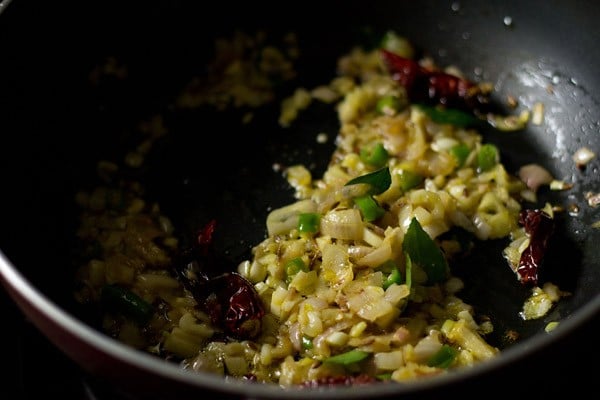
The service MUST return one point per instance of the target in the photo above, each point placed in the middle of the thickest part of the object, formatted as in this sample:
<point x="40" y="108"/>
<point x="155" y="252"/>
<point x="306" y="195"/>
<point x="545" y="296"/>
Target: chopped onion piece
<point x="583" y="156"/>
<point x="343" y="224"/>
<point x="377" y="257"/>
<point x="284" y="219"/>
<point x="538" y="114"/>
<point x="560" y="185"/>
<point x="534" y="176"/>
<point x="593" y="199"/>
<point x="509" y="123"/>
<point x="551" y="326"/>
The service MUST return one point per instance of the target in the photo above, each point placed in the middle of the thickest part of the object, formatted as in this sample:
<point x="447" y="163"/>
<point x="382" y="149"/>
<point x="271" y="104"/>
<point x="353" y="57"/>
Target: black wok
<point x="55" y="127"/>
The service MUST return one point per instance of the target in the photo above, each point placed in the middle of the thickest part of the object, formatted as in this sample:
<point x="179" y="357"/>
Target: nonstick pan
<point x="56" y="126"/>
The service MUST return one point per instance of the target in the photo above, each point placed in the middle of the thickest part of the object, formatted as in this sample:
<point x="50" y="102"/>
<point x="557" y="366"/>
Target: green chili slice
<point x="461" y="153"/>
<point x="423" y="251"/>
<point x="394" y="277"/>
<point x="487" y="157"/>
<point x="293" y="266"/>
<point x="384" y="377"/>
<point x="308" y="222"/>
<point x="375" y="156"/>
<point x="348" y="358"/>
<point x="409" y="179"/>
<point x="369" y="208"/>
<point x="444" y="357"/>
<point x="379" y="180"/>
<point x="127" y="303"/>
<point x="388" y="105"/>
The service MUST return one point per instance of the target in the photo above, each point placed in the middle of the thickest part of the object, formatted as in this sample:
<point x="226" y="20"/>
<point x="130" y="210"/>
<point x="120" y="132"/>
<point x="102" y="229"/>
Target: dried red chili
<point x="433" y="87"/>
<point x="229" y="299"/>
<point x="539" y="226"/>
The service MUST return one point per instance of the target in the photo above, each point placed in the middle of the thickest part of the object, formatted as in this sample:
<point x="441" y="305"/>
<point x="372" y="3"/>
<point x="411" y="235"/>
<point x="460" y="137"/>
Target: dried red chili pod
<point x="234" y="305"/>
<point x="434" y="87"/>
<point x="539" y="226"/>
<point x="229" y="299"/>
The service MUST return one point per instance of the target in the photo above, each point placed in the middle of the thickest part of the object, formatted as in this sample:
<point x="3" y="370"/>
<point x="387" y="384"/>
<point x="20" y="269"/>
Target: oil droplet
<point x="455" y="6"/>
<point x="508" y="21"/>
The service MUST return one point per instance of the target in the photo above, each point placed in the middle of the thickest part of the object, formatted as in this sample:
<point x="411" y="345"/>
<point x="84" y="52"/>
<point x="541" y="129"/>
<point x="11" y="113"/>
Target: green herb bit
<point x="369" y="208"/>
<point x="379" y="180"/>
<point x="389" y="105"/>
<point x="444" y="357"/>
<point x="409" y="179"/>
<point x="461" y="152"/>
<point x="375" y="156"/>
<point x="308" y="222"/>
<point x="307" y="342"/>
<point x="449" y="116"/>
<point x="394" y="277"/>
<point x="348" y="358"/>
<point x="384" y="377"/>
<point x="293" y="266"/>
<point x="423" y="251"/>
<point x="487" y="157"/>
<point x="129" y="304"/>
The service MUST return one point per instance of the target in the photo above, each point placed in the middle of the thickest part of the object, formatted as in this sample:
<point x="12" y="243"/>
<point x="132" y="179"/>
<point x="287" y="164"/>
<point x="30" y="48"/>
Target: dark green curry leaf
<point x="424" y="252"/>
<point x="379" y="180"/>
<point x="118" y="299"/>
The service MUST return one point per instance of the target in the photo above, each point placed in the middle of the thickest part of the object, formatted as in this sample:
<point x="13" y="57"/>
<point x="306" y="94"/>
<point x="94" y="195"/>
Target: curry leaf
<point x="379" y="180"/>
<point x="424" y="252"/>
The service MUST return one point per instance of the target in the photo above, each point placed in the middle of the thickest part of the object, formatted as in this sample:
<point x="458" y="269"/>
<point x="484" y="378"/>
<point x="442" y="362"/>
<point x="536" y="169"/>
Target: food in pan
<point x="353" y="283"/>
